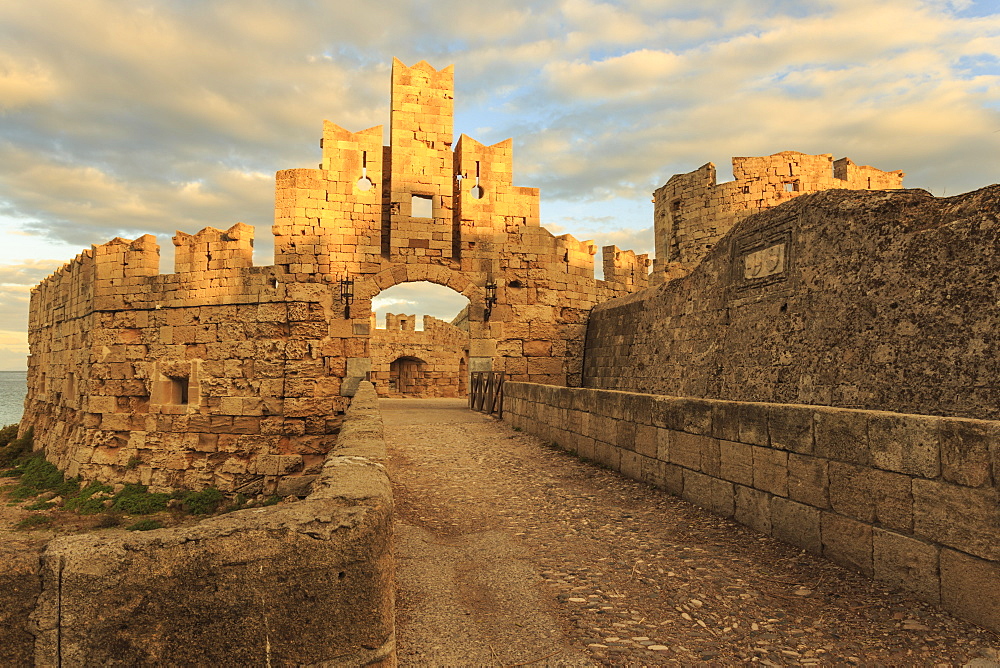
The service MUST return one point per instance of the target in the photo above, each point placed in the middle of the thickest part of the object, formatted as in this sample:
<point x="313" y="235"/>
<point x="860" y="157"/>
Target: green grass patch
<point x="13" y="449"/>
<point x="34" y="522"/>
<point x="145" y="525"/>
<point x="39" y="475"/>
<point x="204" y="502"/>
<point x="138" y="500"/>
<point x="85" y="502"/>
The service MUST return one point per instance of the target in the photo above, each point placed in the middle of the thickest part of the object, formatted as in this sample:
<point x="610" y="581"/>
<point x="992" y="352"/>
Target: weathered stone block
<point x="736" y="462"/>
<point x="965" y="450"/>
<point x="295" y="485"/>
<point x="607" y="454"/>
<point x="685" y="449"/>
<point x="791" y="428"/>
<point x="905" y="443"/>
<point x="907" y="563"/>
<point x="965" y="518"/>
<point x="969" y="588"/>
<point x="585" y="447"/>
<point x="770" y="470"/>
<point x="673" y="479"/>
<point x="645" y="440"/>
<point x="710" y="463"/>
<point x="726" y="420"/>
<point x="663" y="439"/>
<point x="19" y="586"/>
<point x="847" y="542"/>
<point x="710" y="493"/>
<point x="693" y="416"/>
<point x="753" y="424"/>
<point x="753" y="509"/>
<point x="871" y="495"/>
<point x="624" y="434"/>
<point x="796" y="524"/>
<point x="842" y="435"/>
<point x="807" y="480"/>
<point x="631" y="465"/>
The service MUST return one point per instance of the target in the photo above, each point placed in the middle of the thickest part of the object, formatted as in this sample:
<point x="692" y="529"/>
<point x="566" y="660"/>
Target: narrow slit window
<point x="477" y="191"/>
<point x="364" y="183"/>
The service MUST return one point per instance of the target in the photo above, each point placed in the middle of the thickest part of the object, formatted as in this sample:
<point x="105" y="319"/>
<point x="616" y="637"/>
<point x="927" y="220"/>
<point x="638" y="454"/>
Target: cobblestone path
<point x="512" y="553"/>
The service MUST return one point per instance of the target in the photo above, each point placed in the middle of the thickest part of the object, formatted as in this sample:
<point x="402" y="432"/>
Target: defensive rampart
<point x="692" y="212"/>
<point x="295" y="584"/>
<point x="229" y="375"/>
<point x="876" y="300"/>
<point x="911" y="500"/>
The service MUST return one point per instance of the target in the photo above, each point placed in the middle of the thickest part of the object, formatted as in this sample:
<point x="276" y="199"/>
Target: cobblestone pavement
<point x="510" y="552"/>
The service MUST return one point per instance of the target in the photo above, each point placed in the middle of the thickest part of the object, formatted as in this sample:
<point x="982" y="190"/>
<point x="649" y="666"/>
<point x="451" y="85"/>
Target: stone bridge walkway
<point x="511" y="553"/>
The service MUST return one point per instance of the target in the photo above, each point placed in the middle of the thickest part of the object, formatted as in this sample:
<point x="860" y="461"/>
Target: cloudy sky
<point x="150" y="116"/>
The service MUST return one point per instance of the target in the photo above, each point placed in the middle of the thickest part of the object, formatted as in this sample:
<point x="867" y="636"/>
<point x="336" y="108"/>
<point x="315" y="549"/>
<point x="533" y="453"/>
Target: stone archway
<point x="368" y="286"/>
<point x="475" y="354"/>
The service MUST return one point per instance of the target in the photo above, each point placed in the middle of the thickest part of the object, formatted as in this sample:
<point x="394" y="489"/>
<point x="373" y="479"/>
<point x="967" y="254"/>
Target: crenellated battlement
<point x="692" y="212"/>
<point x="213" y="250"/>
<point x="624" y="266"/>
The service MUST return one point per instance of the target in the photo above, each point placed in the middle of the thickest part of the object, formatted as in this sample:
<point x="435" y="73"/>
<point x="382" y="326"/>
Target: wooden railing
<point x="486" y="392"/>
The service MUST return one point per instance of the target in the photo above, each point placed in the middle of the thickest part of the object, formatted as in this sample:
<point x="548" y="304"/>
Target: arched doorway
<point x="419" y="342"/>
<point x="406" y="375"/>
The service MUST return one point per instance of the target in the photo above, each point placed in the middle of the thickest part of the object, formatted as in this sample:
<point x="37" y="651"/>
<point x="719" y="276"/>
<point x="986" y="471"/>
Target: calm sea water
<point x="13" y="387"/>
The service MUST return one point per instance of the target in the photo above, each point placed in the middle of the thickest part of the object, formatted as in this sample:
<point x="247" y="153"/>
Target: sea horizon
<point x="13" y="389"/>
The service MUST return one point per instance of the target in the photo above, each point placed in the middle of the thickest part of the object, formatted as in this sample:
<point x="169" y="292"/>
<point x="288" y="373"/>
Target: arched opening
<point x="419" y="344"/>
<point x="405" y="376"/>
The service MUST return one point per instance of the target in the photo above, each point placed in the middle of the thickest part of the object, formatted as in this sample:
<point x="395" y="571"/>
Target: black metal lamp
<point x="491" y="299"/>
<point x="347" y="294"/>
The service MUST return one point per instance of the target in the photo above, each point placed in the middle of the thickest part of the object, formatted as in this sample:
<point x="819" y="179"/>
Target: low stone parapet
<point x="301" y="583"/>
<point x="911" y="500"/>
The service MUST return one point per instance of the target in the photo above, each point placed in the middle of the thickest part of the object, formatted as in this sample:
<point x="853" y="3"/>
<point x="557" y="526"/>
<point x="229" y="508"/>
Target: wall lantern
<point x="347" y="295"/>
<point x="491" y="299"/>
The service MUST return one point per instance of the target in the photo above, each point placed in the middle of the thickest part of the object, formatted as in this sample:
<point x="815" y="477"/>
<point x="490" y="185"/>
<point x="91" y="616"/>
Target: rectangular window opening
<point x="791" y="186"/>
<point x="422" y="206"/>
<point x="177" y="390"/>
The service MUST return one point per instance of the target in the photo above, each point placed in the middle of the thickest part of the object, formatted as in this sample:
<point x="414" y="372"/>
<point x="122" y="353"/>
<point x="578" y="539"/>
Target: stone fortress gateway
<point x="231" y="375"/>
<point x="235" y="376"/>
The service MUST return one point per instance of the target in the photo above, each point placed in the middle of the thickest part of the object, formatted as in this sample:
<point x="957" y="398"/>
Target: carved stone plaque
<point x="762" y="259"/>
<point x="764" y="262"/>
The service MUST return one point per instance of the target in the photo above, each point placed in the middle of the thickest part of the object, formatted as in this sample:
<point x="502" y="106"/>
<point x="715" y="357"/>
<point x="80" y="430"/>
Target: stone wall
<point x="692" y="212"/>
<point x="432" y="362"/>
<point x="217" y="375"/>
<point x="910" y="500"/>
<point x="295" y="584"/>
<point x="877" y="300"/>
